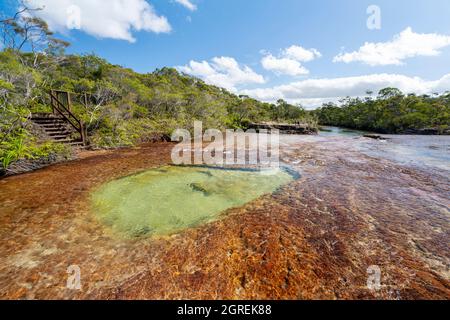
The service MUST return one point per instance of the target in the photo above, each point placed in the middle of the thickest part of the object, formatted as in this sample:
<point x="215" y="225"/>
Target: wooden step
<point x="49" y="121"/>
<point x="34" y="117"/>
<point x="45" y="115"/>
<point x="60" y="137"/>
<point x="72" y="142"/>
<point x="57" y="128"/>
<point x="59" y="134"/>
<point x="53" y="129"/>
<point x="53" y="126"/>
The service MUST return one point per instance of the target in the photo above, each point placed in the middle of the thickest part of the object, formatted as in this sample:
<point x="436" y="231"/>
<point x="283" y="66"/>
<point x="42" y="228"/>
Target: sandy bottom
<point x="170" y="199"/>
<point x="314" y="238"/>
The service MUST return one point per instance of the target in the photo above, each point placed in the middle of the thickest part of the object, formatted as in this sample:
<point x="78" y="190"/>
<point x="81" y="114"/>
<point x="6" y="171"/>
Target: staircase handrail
<point x="66" y="114"/>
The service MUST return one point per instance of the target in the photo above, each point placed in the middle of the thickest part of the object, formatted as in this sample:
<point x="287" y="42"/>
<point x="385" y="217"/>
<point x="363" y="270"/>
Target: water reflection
<point x="328" y="131"/>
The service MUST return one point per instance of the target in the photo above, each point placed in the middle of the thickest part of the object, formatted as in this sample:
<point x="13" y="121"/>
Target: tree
<point x="390" y="112"/>
<point x="387" y="93"/>
<point x="25" y="31"/>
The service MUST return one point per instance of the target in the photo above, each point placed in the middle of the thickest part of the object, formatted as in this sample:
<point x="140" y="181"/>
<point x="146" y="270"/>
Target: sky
<point x="303" y="51"/>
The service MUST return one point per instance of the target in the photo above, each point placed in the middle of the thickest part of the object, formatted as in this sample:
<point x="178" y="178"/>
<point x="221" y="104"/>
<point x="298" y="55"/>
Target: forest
<point x="126" y="108"/>
<point x="391" y="111"/>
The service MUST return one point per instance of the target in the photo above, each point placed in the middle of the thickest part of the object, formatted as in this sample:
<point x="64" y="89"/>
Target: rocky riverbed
<point x="317" y="237"/>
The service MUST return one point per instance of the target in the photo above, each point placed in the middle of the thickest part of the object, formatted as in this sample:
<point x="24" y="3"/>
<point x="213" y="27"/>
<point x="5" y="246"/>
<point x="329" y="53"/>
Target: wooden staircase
<point x="56" y="128"/>
<point x="61" y="125"/>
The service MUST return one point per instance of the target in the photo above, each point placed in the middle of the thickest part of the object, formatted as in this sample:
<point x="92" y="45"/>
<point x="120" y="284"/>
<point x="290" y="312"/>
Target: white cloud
<point x="223" y="72"/>
<point x="313" y="92"/>
<point x="283" y="66"/>
<point x="407" y="44"/>
<point x="289" y="61"/>
<point x="114" y="19"/>
<point x="301" y="54"/>
<point x="188" y="4"/>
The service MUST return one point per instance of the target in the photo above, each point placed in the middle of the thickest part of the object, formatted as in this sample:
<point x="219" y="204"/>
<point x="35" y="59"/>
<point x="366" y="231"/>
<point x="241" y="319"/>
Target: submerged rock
<point x="374" y="136"/>
<point x="198" y="187"/>
<point x="156" y="202"/>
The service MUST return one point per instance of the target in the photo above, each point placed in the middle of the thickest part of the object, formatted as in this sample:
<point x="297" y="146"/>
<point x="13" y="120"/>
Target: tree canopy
<point x="390" y="112"/>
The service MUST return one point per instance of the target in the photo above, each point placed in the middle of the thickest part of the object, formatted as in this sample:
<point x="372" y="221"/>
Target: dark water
<point x="337" y="131"/>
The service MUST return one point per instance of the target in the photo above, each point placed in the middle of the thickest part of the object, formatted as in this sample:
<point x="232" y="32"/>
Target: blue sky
<point x="244" y="45"/>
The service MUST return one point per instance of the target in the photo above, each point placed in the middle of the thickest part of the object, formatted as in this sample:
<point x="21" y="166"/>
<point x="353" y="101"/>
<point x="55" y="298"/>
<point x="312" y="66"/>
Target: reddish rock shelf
<point x="314" y="239"/>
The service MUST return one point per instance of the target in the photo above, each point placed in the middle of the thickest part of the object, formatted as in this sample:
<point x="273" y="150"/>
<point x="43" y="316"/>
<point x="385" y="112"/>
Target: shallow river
<point x="355" y="205"/>
<point x="415" y="150"/>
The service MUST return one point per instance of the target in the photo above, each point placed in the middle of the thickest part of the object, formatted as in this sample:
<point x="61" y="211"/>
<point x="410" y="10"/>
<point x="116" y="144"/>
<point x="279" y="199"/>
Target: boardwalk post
<point x="52" y="103"/>
<point x="83" y="133"/>
<point x="69" y="101"/>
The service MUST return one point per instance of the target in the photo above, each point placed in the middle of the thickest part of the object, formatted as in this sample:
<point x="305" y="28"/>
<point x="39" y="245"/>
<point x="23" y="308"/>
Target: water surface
<point x="313" y="239"/>
<point x="415" y="150"/>
<point x="168" y="199"/>
<point x="429" y="151"/>
<point x="328" y="131"/>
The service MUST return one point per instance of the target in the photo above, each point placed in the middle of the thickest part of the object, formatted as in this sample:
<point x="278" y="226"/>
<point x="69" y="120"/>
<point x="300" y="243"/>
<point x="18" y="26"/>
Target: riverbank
<point x="315" y="238"/>
<point x="67" y="153"/>
<point x="285" y="128"/>
<point x="411" y="132"/>
<point x="70" y="154"/>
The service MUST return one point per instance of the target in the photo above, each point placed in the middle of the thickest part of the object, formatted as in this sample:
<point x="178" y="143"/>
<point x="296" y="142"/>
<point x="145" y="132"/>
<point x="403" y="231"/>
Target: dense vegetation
<point x="123" y="107"/>
<point x="390" y="112"/>
<point x="127" y="105"/>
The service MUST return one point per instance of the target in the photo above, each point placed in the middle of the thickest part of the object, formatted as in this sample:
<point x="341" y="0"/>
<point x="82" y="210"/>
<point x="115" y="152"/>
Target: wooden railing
<point x="66" y="113"/>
